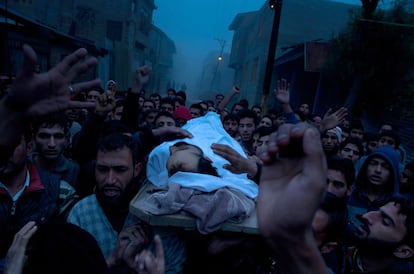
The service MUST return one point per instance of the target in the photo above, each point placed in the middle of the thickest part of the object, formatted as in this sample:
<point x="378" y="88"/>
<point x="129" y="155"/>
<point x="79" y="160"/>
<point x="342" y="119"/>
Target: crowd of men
<point x="333" y="198"/>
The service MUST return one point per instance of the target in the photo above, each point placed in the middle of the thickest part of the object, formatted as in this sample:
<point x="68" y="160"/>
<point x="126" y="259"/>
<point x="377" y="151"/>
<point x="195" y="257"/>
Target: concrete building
<point x="301" y="21"/>
<point x="123" y="28"/>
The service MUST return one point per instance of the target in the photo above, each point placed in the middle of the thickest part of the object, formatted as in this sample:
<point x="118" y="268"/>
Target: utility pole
<point x="276" y="7"/>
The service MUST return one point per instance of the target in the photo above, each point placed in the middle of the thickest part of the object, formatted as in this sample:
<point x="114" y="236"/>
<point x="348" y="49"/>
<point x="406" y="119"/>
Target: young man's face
<point x="351" y="152"/>
<point x="265" y="122"/>
<point x="195" y="112"/>
<point x="262" y="141"/>
<point x="246" y="128"/>
<point x="329" y="141"/>
<point x="114" y="171"/>
<point x="165" y="121"/>
<point x="387" y="141"/>
<point x="147" y="106"/>
<point x="92" y="96"/>
<point x="237" y="109"/>
<point x="155" y="99"/>
<point x="378" y="171"/>
<point x="167" y="107"/>
<point x="385" y="225"/>
<point x="258" y="112"/>
<point x="336" y="183"/>
<point x="50" y="142"/>
<point x="304" y="108"/>
<point x="183" y="157"/>
<point x="357" y="133"/>
<point x="231" y="126"/>
<point x="118" y="113"/>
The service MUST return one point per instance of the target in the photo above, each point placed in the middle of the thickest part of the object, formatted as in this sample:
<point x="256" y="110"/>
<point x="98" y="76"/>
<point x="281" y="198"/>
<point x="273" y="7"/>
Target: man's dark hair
<point x="199" y="107"/>
<point x="155" y="95"/>
<point x="165" y="114"/>
<point x="247" y="113"/>
<point x="232" y="117"/>
<point x="65" y="248"/>
<point x="355" y="141"/>
<point x="244" y="103"/>
<point x="345" y="166"/>
<point x="180" y="101"/>
<point x="173" y="90"/>
<point x="48" y="121"/>
<point x="182" y="94"/>
<point x="392" y="134"/>
<point x="149" y="100"/>
<point x="116" y="140"/>
<point x="167" y="100"/>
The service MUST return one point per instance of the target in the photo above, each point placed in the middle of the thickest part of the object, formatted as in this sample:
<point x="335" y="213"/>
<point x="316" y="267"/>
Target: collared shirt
<point x="20" y="192"/>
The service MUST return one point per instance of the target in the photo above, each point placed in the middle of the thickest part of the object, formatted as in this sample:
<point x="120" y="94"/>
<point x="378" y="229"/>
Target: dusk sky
<point x="194" y="25"/>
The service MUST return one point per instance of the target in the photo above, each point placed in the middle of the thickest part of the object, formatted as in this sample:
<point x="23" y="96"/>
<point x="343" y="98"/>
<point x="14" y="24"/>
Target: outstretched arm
<point x="34" y="94"/>
<point x="291" y="188"/>
<point x="235" y="90"/>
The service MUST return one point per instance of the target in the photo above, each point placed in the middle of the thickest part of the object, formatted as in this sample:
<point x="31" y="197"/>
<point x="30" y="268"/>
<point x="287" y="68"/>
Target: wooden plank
<point x="185" y="220"/>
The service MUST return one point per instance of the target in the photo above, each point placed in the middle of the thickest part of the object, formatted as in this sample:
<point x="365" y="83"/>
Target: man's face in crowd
<point x="114" y="172"/>
<point x="329" y="141"/>
<point x="141" y="101"/>
<point x="147" y="106"/>
<point x="150" y="118"/>
<point x="336" y="183"/>
<point x="378" y="171"/>
<point x="383" y="228"/>
<point x="265" y="122"/>
<point x="92" y="96"/>
<point x="155" y="99"/>
<point x="165" y="121"/>
<point x="262" y="141"/>
<point x="387" y="141"/>
<point x="16" y="162"/>
<point x="351" y="152"/>
<point x="280" y="120"/>
<point x="167" y="107"/>
<point x="118" y="113"/>
<point x="357" y="133"/>
<point x="50" y="142"/>
<point x="246" y="128"/>
<point x="183" y="157"/>
<point x="237" y="109"/>
<point x="231" y="126"/>
<point x="204" y="106"/>
<point x="195" y="112"/>
<point x="304" y="108"/>
<point x="258" y="112"/>
<point x="171" y="94"/>
<point x="407" y="177"/>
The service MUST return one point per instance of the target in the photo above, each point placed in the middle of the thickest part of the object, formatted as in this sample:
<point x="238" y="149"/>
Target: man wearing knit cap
<point x="331" y="139"/>
<point x="182" y="115"/>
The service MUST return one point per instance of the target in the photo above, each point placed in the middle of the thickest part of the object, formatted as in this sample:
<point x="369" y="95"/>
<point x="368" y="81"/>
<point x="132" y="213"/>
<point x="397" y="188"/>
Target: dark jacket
<point x="39" y="202"/>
